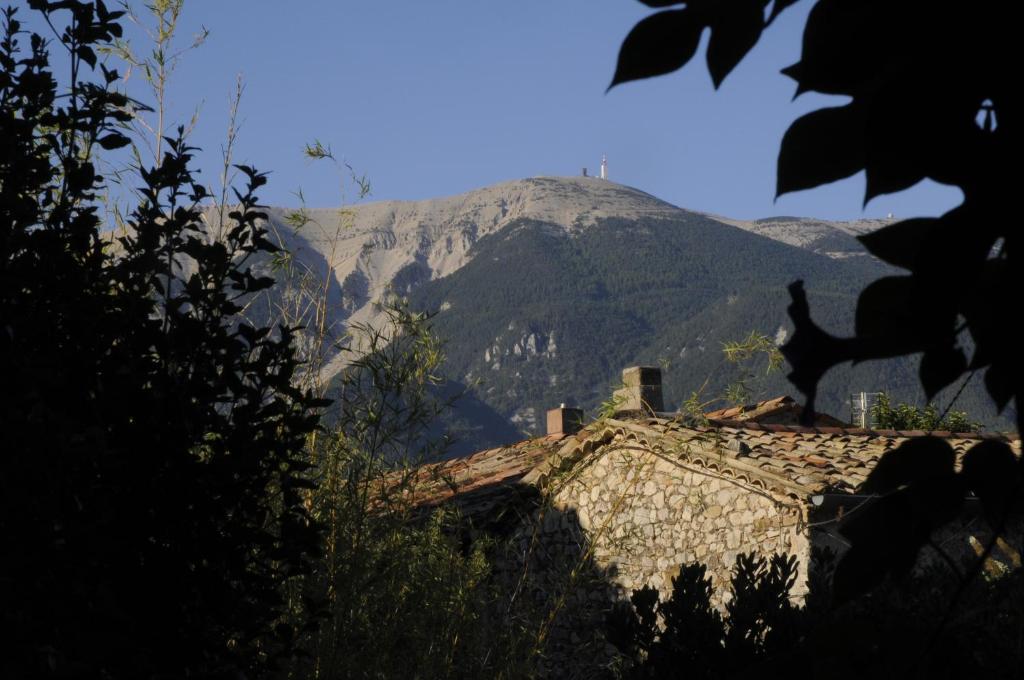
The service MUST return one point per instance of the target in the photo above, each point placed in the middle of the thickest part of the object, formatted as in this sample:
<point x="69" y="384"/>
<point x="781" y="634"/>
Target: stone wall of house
<point x="645" y="515"/>
<point x="626" y="518"/>
<point x="561" y="596"/>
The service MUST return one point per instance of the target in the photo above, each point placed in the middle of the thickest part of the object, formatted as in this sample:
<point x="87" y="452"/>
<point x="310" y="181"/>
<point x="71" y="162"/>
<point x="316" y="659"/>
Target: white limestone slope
<point x="837" y="240"/>
<point x="372" y="248"/>
<point x="395" y="245"/>
<point x="380" y="239"/>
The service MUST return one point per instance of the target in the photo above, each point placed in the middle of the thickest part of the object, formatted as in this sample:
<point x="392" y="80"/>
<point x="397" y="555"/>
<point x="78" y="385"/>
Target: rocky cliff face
<point x="402" y="243"/>
<point x="361" y="252"/>
<point x="547" y="287"/>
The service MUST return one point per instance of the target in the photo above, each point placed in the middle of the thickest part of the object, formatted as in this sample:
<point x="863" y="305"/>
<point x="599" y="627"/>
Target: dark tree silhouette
<point x="151" y="487"/>
<point x="931" y="96"/>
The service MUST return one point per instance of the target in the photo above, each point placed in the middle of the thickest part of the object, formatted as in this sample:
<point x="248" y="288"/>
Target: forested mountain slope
<point x="546" y="288"/>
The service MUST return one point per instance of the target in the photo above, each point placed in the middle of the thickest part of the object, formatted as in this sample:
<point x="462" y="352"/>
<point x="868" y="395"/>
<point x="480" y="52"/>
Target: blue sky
<point x="436" y="98"/>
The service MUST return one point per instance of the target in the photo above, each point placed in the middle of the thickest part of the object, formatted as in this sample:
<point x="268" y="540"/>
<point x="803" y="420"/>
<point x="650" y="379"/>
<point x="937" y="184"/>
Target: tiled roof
<point x="780" y="411"/>
<point x="479" y="481"/>
<point x="786" y="460"/>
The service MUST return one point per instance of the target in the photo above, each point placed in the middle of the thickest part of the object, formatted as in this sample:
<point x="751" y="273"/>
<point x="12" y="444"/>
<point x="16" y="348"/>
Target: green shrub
<point x="152" y="493"/>
<point x="888" y="416"/>
<point x="405" y="593"/>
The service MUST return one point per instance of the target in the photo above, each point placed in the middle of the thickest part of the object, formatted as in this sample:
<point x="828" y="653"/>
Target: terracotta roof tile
<point x="786" y="459"/>
<point x="481" y="478"/>
<point x="782" y="410"/>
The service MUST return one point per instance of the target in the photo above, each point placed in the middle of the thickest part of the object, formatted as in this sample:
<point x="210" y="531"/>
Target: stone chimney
<point x="564" y="420"/>
<point x="641" y="390"/>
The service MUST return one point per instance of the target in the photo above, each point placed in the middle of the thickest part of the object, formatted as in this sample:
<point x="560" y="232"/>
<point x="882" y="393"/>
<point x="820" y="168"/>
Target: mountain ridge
<point x="376" y="246"/>
<point x="588" y="276"/>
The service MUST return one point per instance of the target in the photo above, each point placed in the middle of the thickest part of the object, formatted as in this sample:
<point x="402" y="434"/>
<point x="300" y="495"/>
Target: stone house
<point x="593" y="512"/>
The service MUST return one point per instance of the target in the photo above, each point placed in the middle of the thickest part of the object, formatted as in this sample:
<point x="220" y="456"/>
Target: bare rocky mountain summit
<point x="546" y="287"/>
<point x="837" y="240"/>
<point x="375" y="247"/>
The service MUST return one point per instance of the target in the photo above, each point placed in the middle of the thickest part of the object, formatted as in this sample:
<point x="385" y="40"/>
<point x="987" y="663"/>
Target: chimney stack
<point x="641" y="390"/>
<point x="564" y="420"/>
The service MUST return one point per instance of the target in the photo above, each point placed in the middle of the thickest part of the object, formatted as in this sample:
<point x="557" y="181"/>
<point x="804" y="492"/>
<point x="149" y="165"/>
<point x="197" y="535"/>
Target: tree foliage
<point x="153" y="484"/>
<point x="706" y="284"/>
<point x="930" y="96"/>
<point x="404" y="595"/>
<point x="888" y="416"/>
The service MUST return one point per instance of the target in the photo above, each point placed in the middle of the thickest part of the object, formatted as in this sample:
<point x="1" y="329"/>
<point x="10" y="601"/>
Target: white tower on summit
<point x="604" y="167"/>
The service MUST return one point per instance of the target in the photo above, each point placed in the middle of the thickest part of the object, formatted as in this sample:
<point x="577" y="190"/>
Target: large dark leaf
<point x="735" y="30"/>
<point x="991" y="471"/>
<point x="811" y="351"/>
<point x="659" y="44"/>
<point x="941" y="366"/>
<point x="986" y="316"/>
<point x="899" y="139"/>
<point x="885" y="309"/>
<point x="840" y="49"/>
<point x="899" y="243"/>
<point x="821" y="147"/>
<point x="1002" y="384"/>
<point x="957" y="251"/>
